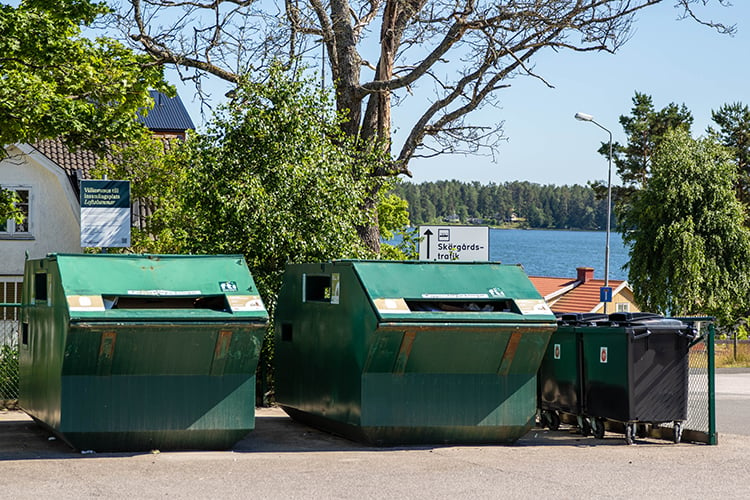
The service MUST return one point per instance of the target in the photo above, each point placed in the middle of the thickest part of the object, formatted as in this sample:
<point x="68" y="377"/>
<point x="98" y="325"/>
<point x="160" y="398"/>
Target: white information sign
<point x="105" y="213"/>
<point x="454" y="243"/>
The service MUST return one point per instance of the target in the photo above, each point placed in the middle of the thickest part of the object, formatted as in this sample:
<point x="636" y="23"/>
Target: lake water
<point x="558" y="253"/>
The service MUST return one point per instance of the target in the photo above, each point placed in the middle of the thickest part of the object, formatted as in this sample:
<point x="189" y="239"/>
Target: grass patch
<point x="726" y="358"/>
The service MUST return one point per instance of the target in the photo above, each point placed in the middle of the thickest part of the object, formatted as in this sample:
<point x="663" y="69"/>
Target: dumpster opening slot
<point x="213" y="302"/>
<point x="317" y="288"/>
<point x="40" y="286"/>
<point x="506" y="305"/>
<point x="286" y="332"/>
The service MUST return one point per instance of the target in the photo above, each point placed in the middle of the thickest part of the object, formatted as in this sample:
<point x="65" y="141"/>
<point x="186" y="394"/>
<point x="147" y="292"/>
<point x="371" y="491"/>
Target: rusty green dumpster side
<point x="411" y="352"/>
<point x="133" y="352"/>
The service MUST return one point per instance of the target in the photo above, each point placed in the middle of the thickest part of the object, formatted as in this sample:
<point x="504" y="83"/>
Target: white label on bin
<point x="245" y="303"/>
<point x="85" y="303"/>
<point x="335" y="288"/>
<point x="392" y="306"/>
<point x="556" y="351"/>
<point x="455" y="296"/>
<point x="533" y="306"/>
<point x="602" y="354"/>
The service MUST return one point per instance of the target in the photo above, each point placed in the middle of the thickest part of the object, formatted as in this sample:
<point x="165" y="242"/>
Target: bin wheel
<point x="543" y="420"/>
<point x="554" y="420"/>
<point x="629" y="433"/>
<point x="642" y="430"/>
<point x="597" y="426"/>
<point x="584" y="426"/>
<point x="677" y="432"/>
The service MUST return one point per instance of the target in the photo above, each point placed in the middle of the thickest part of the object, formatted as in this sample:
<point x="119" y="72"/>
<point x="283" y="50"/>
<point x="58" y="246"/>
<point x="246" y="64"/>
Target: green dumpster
<point x="139" y="352"/>
<point x="561" y="372"/>
<point x="410" y="352"/>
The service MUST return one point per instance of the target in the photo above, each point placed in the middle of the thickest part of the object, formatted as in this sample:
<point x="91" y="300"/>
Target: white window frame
<point x="11" y="228"/>
<point x="622" y="307"/>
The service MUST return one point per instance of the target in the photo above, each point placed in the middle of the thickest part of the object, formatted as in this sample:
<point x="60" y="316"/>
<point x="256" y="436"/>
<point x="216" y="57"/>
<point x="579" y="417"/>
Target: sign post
<point x="455" y="243"/>
<point x="105" y="213"/>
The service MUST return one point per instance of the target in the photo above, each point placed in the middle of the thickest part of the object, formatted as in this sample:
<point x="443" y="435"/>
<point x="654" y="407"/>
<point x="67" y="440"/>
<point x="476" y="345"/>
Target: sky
<point x="672" y="60"/>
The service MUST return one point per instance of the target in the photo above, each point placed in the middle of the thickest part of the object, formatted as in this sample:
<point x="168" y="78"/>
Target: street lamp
<point x="588" y="118"/>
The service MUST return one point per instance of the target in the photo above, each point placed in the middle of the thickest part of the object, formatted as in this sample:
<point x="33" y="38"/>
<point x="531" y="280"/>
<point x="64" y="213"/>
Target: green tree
<point x="58" y="84"/>
<point x="450" y="58"/>
<point x="8" y="209"/>
<point x="734" y="133"/>
<point x="690" y="251"/>
<point x="272" y="178"/>
<point x="393" y="217"/>
<point x="645" y="128"/>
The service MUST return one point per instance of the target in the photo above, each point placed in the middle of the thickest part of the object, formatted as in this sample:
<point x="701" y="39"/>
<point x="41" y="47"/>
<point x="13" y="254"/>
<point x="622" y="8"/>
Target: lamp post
<point x="588" y="118"/>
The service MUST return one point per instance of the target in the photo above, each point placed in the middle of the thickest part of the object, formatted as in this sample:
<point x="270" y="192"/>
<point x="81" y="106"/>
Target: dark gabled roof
<point x="167" y="115"/>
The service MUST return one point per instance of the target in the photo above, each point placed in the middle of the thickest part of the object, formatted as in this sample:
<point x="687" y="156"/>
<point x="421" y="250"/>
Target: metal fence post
<point x="712" y="435"/>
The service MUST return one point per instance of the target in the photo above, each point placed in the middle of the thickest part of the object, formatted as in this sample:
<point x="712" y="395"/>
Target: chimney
<point x="585" y="274"/>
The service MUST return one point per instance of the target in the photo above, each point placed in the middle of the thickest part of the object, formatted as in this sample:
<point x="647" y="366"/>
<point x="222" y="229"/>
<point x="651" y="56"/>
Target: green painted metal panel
<point x="152" y="287"/>
<point x="432" y="285"/>
<point x="413" y="279"/>
<point x="384" y="378"/>
<point x="176" y="380"/>
<point x="560" y="383"/>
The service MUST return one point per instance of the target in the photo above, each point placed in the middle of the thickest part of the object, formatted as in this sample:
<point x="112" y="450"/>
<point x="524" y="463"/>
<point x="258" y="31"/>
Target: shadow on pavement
<point x="23" y="439"/>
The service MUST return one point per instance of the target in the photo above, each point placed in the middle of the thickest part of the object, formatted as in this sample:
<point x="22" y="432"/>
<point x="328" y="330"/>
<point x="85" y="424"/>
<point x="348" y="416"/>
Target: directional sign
<point x="454" y="243"/>
<point x="605" y="294"/>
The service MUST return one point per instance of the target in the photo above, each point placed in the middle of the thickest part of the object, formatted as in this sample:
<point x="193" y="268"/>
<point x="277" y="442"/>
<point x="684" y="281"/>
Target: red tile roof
<point x="582" y="297"/>
<point x="550" y="286"/>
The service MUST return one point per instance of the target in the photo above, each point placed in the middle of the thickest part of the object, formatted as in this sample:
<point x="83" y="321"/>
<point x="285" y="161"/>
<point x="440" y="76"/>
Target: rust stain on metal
<point x="222" y="344"/>
<point x="107" y="345"/>
<point x="510" y="353"/>
<point x="404" y="351"/>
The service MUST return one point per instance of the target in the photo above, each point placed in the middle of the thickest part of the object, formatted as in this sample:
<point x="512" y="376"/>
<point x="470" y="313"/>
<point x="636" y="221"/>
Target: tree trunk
<point x="370" y="233"/>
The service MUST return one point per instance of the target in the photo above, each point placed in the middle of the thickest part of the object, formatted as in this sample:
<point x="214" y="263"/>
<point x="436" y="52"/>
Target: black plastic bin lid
<point x="581" y="318"/>
<point x="634" y="317"/>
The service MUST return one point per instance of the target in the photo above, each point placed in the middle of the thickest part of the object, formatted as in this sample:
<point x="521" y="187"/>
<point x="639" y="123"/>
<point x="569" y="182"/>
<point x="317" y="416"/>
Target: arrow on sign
<point x="428" y="233"/>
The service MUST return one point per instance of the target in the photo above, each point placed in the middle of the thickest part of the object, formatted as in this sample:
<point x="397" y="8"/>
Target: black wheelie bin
<point x="635" y="371"/>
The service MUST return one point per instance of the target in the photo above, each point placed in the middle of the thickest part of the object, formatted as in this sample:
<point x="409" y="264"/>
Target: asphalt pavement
<point x="284" y="459"/>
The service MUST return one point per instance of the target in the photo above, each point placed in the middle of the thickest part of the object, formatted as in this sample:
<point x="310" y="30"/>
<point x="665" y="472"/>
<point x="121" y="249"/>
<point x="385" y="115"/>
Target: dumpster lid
<point x="173" y="287"/>
<point x="458" y="291"/>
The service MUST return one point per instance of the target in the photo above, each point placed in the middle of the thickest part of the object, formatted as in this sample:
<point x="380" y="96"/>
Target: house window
<point x="10" y="228"/>
<point x="10" y="293"/>
<point x="623" y="307"/>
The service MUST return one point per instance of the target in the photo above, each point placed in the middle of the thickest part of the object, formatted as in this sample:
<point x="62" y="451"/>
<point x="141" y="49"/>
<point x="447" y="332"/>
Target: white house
<point x="46" y="176"/>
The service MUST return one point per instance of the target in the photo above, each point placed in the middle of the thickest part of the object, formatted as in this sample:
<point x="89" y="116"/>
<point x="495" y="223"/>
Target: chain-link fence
<point x="8" y="355"/>
<point x="700" y="425"/>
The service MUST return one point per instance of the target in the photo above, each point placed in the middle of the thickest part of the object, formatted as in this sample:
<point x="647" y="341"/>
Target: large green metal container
<point x="411" y="352"/>
<point x="138" y="352"/>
